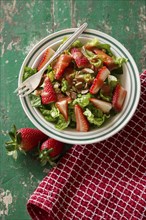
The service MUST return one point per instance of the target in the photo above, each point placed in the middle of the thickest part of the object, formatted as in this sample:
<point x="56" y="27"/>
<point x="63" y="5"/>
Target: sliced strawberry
<point x="48" y="94"/>
<point x="81" y="121"/>
<point x="63" y="61"/>
<point x="119" y="98"/>
<point x="63" y="107"/>
<point x="45" y="57"/>
<point x="61" y="97"/>
<point x="106" y="90"/>
<point x="50" y="151"/>
<point x="79" y="58"/>
<point x="99" y="80"/>
<point x="107" y="60"/>
<point x="105" y="107"/>
<point x="68" y="75"/>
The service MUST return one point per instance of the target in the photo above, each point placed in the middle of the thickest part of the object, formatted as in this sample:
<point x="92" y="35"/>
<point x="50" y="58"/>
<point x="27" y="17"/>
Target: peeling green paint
<point x="22" y="24"/>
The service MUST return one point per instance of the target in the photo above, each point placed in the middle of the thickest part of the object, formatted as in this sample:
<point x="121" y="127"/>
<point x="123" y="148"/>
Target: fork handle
<point x="67" y="43"/>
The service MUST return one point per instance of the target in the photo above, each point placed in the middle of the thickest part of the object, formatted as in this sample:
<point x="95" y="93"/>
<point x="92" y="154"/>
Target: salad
<point x="81" y="89"/>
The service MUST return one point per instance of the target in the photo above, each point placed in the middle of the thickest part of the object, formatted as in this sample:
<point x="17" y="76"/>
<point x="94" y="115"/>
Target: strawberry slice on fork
<point x="99" y="80"/>
<point x="45" y="58"/>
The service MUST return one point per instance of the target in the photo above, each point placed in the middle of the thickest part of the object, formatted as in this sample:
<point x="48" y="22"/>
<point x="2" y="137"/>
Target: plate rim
<point x="89" y="32"/>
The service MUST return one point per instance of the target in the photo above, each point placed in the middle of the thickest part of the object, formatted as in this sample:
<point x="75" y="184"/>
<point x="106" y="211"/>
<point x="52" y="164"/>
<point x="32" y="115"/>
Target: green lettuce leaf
<point x="88" y="77"/>
<point x="104" y="97"/>
<point x="49" y="69"/>
<point x="98" y="63"/>
<point x="97" y="118"/>
<point x="89" y="54"/>
<point x="82" y="100"/>
<point x="51" y="75"/>
<point x="64" y="85"/>
<point x="35" y="100"/>
<point x="46" y="114"/>
<point x="50" y="115"/>
<point x="106" y="47"/>
<point x="71" y="113"/>
<point x="28" y="71"/>
<point x="54" y="112"/>
<point x="119" y="60"/>
<point x="95" y="43"/>
<point x="92" y="57"/>
<point x="77" y="43"/>
<point x="112" y="81"/>
<point x="62" y="123"/>
<point x="64" y="39"/>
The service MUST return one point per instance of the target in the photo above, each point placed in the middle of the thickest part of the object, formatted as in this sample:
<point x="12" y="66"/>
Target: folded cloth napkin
<point x="102" y="181"/>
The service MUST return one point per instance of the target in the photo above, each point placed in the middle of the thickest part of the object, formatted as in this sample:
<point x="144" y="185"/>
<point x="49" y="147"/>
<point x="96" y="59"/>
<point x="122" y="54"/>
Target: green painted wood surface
<point x="22" y="24"/>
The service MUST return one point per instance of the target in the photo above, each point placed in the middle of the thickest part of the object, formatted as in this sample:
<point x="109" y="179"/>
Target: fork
<point x="30" y="84"/>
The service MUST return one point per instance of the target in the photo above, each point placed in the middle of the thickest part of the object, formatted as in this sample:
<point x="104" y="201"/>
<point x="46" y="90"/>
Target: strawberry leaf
<point x="10" y="147"/>
<point x="44" y="157"/>
<point x="12" y="135"/>
<point x="43" y="162"/>
<point x="22" y="151"/>
<point x="14" y="129"/>
<point x="18" y="138"/>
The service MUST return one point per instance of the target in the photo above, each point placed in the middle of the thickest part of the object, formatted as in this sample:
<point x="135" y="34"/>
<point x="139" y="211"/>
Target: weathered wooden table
<point x="22" y="24"/>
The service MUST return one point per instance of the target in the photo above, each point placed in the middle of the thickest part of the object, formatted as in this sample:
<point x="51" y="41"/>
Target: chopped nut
<point x="56" y="85"/>
<point x="73" y="95"/>
<point x="86" y="86"/>
<point x="87" y="70"/>
<point x="84" y="91"/>
<point x="37" y="92"/>
<point x="79" y="85"/>
<point x="80" y="77"/>
<point x="68" y="93"/>
<point x="73" y="88"/>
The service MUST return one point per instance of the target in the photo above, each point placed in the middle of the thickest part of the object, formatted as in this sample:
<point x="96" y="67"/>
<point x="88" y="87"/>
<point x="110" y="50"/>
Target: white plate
<point x="130" y="81"/>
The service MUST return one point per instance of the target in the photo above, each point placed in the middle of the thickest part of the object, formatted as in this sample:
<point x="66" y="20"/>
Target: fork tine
<point x="25" y="94"/>
<point x="16" y="90"/>
<point x="25" y="89"/>
<point x="19" y="88"/>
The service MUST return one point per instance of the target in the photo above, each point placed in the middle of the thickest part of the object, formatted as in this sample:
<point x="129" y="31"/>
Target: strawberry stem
<point x="44" y="157"/>
<point x="13" y="145"/>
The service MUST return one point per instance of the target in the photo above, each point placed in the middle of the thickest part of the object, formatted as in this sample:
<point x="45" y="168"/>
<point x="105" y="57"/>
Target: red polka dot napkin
<point x="102" y="181"/>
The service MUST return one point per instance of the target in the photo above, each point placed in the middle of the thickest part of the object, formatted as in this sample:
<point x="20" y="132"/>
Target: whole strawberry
<point x="50" y="150"/>
<point x="24" y="139"/>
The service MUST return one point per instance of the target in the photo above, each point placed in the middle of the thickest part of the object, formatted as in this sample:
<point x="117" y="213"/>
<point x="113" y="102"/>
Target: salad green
<point x="75" y="85"/>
